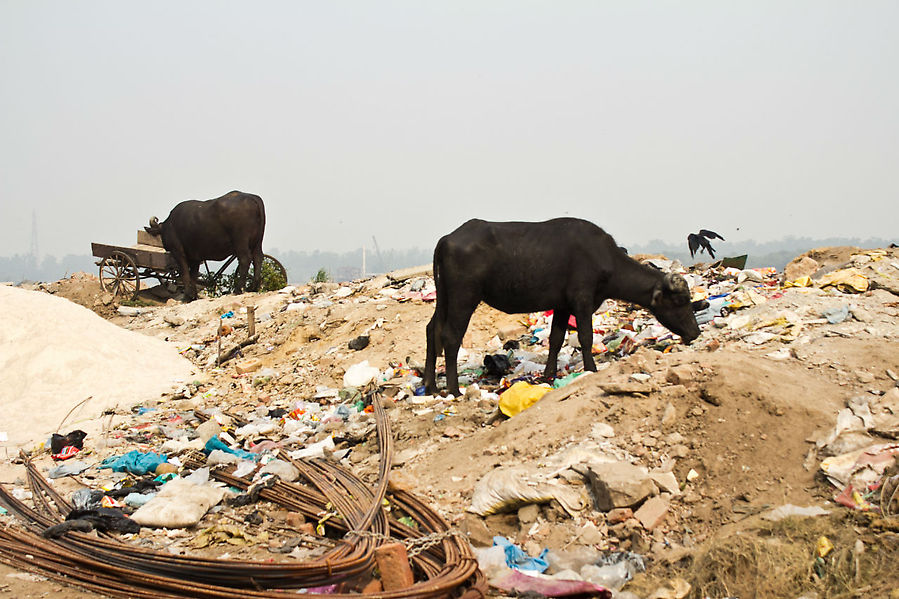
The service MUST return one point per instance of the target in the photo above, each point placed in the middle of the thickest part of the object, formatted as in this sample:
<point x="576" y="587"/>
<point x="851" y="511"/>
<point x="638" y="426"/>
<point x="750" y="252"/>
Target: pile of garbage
<point x="324" y="529"/>
<point x="247" y="440"/>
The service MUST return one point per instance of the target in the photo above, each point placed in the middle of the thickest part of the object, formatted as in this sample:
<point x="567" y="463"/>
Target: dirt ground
<point x="735" y="422"/>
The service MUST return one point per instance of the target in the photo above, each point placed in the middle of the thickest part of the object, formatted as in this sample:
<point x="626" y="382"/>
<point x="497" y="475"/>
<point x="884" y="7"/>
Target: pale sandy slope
<point x="54" y="354"/>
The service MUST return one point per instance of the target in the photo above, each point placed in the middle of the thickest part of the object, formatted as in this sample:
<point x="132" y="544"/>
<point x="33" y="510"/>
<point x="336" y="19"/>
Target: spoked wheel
<point x="279" y="268"/>
<point x="119" y="275"/>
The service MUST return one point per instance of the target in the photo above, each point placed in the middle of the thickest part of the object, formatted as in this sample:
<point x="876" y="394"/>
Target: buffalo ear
<point x="656" y="296"/>
<point x="699" y="305"/>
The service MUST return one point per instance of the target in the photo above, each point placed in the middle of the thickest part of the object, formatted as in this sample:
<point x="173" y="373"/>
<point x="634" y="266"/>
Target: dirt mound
<point x="55" y="354"/>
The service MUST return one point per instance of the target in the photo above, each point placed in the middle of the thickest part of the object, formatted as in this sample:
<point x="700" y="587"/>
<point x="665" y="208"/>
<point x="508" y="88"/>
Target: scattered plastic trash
<point x="101" y="519"/>
<point x="72" y="439"/>
<point x="566" y="380"/>
<point x="134" y="462"/>
<point x="525" y="585"/>
<point x="497" y="365"/>
<point x="315" y="450"/>
<point x="790" y="510"/>
<point x="68" y="469"/>
<point x="518" y="559"/>
<point x="360" y="375"/>
<point x="836" y="315"/>
<point x="614" y="569"/>
<point x="215" y="443"/>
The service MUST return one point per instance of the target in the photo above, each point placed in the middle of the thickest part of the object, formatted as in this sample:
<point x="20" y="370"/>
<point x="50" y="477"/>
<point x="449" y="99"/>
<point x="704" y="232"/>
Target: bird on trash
<point x="700" y="241"/>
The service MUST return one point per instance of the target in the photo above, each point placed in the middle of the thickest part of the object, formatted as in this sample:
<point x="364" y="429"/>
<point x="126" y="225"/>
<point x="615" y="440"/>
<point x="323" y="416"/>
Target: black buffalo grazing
<point x="195" y="231"/>
<point x="567" y="265"/>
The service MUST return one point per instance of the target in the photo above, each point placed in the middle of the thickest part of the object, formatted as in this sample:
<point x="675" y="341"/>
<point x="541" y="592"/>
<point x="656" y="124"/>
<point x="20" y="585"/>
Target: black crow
<point x="710" y="234"/>
<point x="700" y="241"/>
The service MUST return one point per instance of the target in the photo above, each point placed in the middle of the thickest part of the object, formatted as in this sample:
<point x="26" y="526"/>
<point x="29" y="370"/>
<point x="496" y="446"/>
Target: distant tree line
<point x="301" y="266"/>
<point x="346" y="266"/>
<point x="24" y="267"/>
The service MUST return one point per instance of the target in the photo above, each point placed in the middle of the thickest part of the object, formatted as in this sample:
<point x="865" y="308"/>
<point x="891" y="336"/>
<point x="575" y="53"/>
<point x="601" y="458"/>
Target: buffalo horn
<point x="676" y="284"/>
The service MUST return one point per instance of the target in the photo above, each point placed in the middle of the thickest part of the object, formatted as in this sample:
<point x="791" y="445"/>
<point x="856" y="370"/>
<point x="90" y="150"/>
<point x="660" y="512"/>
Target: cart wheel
<point x="276" y="265"/>
<point x="119" y="275"/>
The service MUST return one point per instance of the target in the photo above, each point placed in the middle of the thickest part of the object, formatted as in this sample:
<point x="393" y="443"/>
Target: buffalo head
<point x="672" y="306"/>
<point x="155" y="228"/>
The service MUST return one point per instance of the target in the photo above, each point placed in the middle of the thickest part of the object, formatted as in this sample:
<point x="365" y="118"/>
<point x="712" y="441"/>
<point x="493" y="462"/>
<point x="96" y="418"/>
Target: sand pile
<point x="54" y="354"/>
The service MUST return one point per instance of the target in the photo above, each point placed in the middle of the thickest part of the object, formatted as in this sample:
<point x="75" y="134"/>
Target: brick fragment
<point x="393" y="562"/>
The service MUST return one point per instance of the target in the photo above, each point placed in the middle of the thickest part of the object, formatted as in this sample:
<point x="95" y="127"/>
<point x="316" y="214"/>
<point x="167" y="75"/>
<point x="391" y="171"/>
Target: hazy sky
<point x="404" y="119"/>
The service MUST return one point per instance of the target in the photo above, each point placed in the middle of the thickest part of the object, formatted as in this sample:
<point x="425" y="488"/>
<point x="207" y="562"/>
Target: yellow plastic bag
<point x="846" y="280"/>
<point x="823" y="546"/>
<point x="520" y="396"/>
<point x="805" y="281"/>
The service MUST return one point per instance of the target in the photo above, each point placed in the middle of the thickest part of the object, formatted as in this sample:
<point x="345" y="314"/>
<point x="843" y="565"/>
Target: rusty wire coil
<point x="443" y="562"/>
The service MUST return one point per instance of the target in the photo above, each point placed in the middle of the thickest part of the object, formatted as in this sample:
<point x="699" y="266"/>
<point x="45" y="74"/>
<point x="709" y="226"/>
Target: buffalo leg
<point x="433" y="337"/>
<point x="243" y="266"/>
<point x="451" y="339"/>
<point x="556" y="337"/>
<point x="257" y="269"/>
<point x="194" y="270"/>
<point x="188" y="279"/>
<point x="585" y="337"/>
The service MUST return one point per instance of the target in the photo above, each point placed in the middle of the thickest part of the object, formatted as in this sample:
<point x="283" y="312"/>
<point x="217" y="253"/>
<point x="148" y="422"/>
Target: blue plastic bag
<point x="518" y="559"/>
<point x="135" y="462"/>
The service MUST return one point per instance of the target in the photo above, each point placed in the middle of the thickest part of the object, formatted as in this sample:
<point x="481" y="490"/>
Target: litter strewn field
<point x="656" y="476"/>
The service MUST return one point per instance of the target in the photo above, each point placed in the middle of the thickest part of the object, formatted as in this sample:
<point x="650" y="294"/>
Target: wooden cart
<point x="123" y="267"/>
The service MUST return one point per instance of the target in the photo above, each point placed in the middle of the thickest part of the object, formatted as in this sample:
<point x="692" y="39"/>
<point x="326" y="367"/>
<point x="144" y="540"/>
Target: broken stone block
<point x="528" y="514"/>
<point x="711" y="395"/>
<point x="295" y="519"/>
<point x="683" y="374"/>
<point x="619" y="514"/>
<point x="802" y="267"/>
<point x="669" y="417"/>
<point x="590" y="535"/>
<point x="247" y="365"/>
<point x="864" y="376"/>
<point x="616" y="484"/>
<point x="173" y="319"/>
<point x="477" y="531"/>
<point x="626" y="388"/>
<point x="399" y="480"/>
<point x="652" y="512"/>
<point x="666" y="482"/>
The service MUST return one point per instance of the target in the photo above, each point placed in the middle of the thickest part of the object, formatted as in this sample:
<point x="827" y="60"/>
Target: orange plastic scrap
<point x="851" y="498"/>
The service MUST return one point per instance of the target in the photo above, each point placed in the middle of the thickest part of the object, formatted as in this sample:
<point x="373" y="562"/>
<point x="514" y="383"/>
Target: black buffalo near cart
<point x="227" y="228"/>
<point x="567" y="265"/>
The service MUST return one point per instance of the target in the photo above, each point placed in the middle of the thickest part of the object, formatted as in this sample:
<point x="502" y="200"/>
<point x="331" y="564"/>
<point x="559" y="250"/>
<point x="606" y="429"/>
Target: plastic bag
<point x="179" y="504"/>
<point x="520" y="397"/>
<point x="507" y="488"/>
